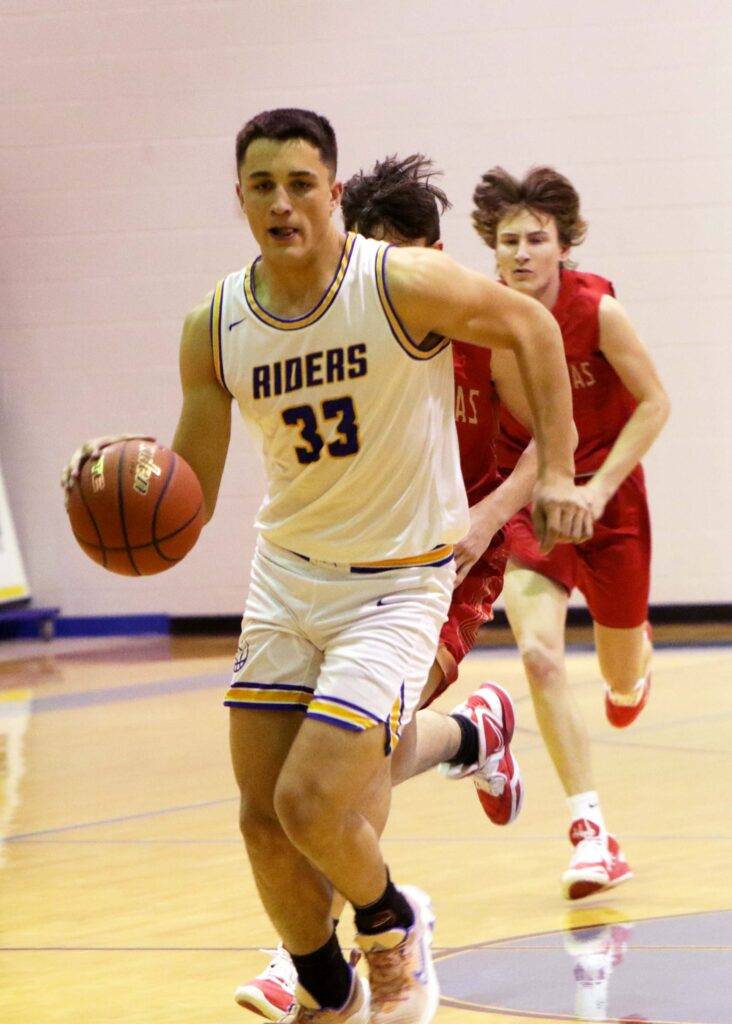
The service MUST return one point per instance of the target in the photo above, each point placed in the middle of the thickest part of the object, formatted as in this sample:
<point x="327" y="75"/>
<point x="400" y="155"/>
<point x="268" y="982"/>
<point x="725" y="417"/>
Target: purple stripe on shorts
<point x="335" y="721"/>
<point x="260" y="706"/>
<point x="348" y="704"/>
<point x="271" y="686"/>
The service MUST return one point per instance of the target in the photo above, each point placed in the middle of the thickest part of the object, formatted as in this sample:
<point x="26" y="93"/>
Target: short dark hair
<point x="397" y="195"/>
<point x="290" y="123"/>
<point x="542" y="190"/>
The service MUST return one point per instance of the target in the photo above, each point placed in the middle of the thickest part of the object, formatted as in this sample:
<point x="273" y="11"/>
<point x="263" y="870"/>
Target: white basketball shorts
<point x="346" y="647"/>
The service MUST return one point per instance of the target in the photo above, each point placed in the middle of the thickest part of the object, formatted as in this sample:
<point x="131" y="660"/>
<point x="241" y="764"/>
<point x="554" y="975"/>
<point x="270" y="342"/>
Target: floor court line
<point x="120" y="820"/>
<point x="401" y="840"/>
<point x="143" y="691"/>
<point x="134" y="691"/>
<point x="621" y="744"/>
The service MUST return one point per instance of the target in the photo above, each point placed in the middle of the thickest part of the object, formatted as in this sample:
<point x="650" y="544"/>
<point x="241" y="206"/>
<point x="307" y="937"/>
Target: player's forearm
<point x="540" y="357"/>
<point x="632" y="443"/>
<point x="513" y="494"/>
<point x="202" y="439"/>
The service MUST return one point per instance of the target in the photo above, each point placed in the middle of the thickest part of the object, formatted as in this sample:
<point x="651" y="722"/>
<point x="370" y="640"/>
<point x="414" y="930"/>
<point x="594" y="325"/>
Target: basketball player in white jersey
<point x="334" y="349"/>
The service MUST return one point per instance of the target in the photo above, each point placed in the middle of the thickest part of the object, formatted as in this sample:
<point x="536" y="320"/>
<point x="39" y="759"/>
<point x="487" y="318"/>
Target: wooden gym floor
<point x="125" y="895"/>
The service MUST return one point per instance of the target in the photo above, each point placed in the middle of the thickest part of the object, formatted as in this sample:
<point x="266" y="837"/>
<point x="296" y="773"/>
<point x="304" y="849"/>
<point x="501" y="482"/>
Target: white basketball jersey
<point x="357" y="423"/>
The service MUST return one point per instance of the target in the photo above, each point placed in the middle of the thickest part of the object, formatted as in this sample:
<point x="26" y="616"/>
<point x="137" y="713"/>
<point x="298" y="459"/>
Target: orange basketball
<point x="137" y="509"/>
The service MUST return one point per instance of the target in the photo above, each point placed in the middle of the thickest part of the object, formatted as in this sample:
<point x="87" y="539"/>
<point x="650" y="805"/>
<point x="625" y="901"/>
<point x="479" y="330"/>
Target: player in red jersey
<point x="620" y="407"/>
<point x="397" y="202"/>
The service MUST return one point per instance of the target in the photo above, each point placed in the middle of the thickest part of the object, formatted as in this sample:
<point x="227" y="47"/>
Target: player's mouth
<point x="522" y="272"/>
<point x="283" y="234"/>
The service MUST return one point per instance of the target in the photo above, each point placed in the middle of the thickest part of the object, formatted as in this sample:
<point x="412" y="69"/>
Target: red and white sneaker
<point x="621" y="714"/>
<point x="272" y="993"/>
<point x="597" y="862"/>
<point x="496" y="773"/>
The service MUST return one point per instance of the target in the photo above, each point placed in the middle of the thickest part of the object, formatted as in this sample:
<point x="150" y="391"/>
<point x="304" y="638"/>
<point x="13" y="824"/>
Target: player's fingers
<point x="538" y="519"/>
<point x="588" y="526"/>
<point x="464" y="569"/>
<point x="552" y="528"/>
<point x="574" y="526"/>
<point x="71" y="469"/>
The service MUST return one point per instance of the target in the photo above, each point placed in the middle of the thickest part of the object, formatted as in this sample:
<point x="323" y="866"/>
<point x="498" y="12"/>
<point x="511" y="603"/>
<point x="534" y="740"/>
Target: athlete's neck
<point x="291" y="288"/>
<point x="548" y="295"/>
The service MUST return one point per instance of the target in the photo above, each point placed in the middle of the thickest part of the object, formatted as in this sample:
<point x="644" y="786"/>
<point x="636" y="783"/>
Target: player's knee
<point x="303" y="811"/>
<point x="543" y="661"/>
<point x="257" y="824"/>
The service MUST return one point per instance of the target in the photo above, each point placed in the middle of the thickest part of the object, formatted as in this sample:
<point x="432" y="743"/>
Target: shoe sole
<point x="422" y="906"/>
<point x="261" y="1006"/>
<point x="581" y="888"/>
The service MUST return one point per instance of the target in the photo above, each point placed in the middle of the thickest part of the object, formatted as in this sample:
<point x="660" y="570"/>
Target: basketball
<point x="137" y="509"/>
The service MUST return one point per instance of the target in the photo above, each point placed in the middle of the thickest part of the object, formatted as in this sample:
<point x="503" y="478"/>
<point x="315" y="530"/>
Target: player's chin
<point x="527" y="286"/>
<point x="291" y="247"/>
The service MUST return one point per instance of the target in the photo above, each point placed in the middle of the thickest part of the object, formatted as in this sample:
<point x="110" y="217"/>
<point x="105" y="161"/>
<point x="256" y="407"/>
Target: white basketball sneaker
<point x="404" y="988"/>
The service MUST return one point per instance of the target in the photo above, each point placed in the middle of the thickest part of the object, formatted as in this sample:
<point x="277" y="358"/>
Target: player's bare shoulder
<point x="413" y="270"/>
<point x="197" y="324"/>
<point x="612" y="315"/>
<point x="196" y="354"/>
<point x="422" y="286"/>
<point x="618" y="337"/>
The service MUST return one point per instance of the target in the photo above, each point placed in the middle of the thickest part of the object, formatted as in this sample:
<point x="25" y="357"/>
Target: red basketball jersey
<point x="602" y="405"/>
<point x="476" y="419"/>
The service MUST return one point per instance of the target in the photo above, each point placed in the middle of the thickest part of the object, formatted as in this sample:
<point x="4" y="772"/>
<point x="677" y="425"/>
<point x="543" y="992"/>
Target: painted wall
<point x="119" y="214"/>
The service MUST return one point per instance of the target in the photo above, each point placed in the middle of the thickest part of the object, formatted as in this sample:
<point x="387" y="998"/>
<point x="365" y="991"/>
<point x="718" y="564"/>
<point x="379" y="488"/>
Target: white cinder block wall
<point x="118" y="124"/>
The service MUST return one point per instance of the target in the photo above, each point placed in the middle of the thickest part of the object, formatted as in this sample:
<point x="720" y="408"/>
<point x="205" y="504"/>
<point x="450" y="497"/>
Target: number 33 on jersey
<point x="356" y="422"/>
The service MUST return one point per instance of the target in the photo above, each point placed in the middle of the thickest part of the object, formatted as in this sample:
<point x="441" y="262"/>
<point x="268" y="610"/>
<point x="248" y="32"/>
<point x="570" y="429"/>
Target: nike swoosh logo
<point x="389" y="600"/>
<point x="237" y="322"/>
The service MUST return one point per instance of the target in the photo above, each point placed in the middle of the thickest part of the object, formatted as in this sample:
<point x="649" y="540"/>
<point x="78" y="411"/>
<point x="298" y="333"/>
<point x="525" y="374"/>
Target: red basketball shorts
<point x="612" y="569"/>
<point x="472" y="605"/>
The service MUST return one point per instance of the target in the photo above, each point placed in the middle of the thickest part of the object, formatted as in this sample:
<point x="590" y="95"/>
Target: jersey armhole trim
<point x="392" y="317"/>
<point x="217" y="303"/>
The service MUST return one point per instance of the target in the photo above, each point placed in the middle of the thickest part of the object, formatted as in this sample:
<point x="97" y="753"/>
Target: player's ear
<point x="336" y="191"/>
<point x="438" y="245"/>
<point x="564" y="253"/>
<point x="239" y="195"/>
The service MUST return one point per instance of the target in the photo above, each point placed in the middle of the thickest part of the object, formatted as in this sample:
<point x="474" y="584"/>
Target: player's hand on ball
<point x="561" y="513"/>
<point x="91" y="450"/>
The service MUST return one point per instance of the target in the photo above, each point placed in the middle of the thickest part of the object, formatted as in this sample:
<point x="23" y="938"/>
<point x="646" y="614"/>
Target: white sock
<point x="587" y="805"/>
<point x="627" y="700"/>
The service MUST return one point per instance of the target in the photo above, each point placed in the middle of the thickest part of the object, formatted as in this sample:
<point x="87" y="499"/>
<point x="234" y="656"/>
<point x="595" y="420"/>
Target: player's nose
<point x="281" y="201"/>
